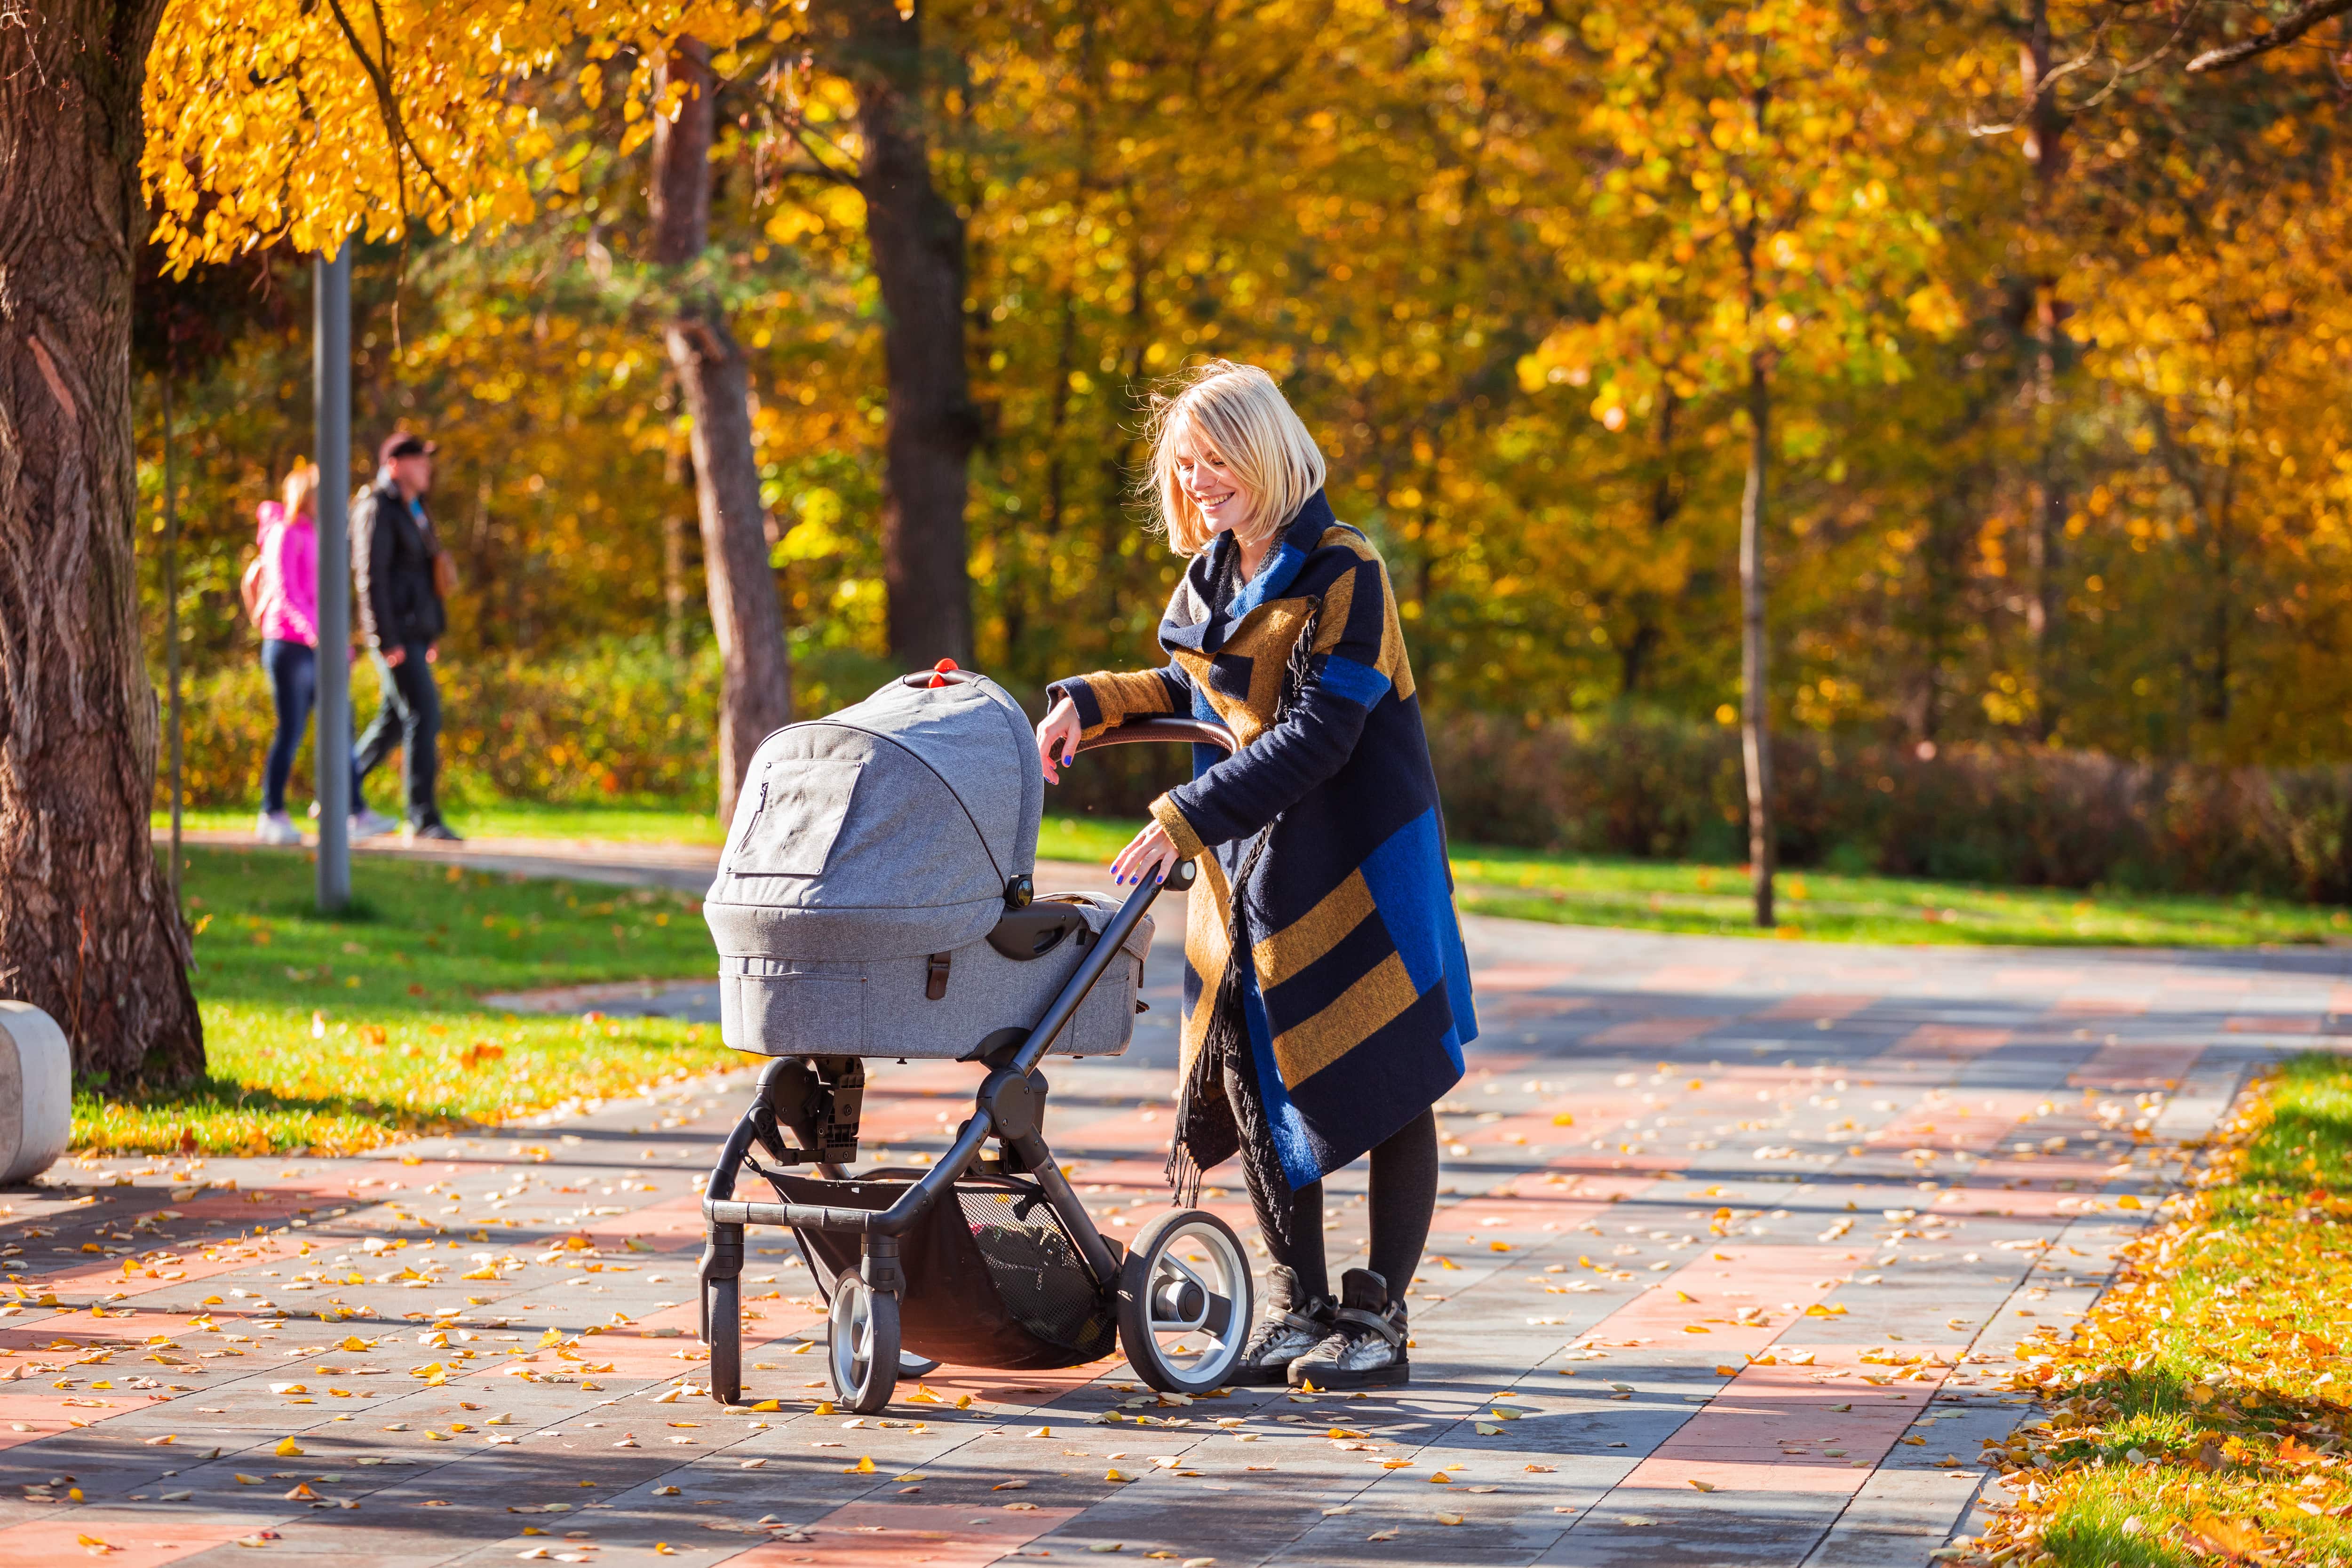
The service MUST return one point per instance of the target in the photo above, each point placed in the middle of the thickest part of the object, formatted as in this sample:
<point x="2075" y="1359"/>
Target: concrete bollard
<point x="36" y="1092"/>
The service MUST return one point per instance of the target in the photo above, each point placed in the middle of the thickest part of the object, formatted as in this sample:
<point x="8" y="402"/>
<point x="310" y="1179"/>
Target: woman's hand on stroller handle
<point x="1057" y="739"/>
<point x="1147" y="857"/>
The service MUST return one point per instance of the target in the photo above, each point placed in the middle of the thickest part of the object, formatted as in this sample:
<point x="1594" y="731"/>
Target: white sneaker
<point x="369" y="823"/>
<point x="276" y="827"/>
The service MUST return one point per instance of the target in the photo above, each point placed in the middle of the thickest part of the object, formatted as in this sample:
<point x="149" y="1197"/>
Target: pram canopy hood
<point x="887" y="829"/>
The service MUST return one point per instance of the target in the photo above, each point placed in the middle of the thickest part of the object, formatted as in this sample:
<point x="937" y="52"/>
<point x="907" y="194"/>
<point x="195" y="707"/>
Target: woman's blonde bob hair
<point x="301" y="485"/>
<point x="1237" y="412"/>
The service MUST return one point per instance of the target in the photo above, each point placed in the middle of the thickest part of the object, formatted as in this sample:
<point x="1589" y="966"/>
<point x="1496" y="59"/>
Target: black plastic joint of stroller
<point x="722" y="1253"/>
<point x="881" y="1270"/>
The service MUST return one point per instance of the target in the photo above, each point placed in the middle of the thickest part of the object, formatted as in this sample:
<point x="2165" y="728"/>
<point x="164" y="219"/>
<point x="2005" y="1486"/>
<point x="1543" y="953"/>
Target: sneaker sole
<point x="1260" y="1376"/>
<point x="1333" y="1379"/>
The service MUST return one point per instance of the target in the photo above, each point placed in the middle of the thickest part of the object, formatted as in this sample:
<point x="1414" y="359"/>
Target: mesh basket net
<point x="994" y="1280"/>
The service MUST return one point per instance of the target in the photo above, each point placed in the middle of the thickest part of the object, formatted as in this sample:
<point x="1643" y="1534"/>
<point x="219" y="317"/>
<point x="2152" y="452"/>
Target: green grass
<point x="339" y="1033"/>
<point x="1638" y="895"/>
<point x="2196" y="1404"/>
<point x="626" y="822"/>
<point x="1818" y="906"/>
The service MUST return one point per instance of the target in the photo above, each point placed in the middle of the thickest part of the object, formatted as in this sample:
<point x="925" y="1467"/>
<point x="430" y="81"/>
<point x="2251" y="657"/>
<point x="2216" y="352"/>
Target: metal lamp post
<point x="331" y="348"/>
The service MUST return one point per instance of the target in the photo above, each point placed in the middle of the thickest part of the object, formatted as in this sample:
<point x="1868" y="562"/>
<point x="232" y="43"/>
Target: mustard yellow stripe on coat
<point x="1307" y="1048"/>
<point x="1207" y="922"/>
<point x="1340" y="599"/>
<point x="1289" y="950"/>
<point x="1127" y="694"/>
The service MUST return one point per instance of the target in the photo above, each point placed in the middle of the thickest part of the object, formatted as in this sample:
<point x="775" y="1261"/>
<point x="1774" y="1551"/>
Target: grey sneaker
<point x="1291" y="1327"/>
<point x="1366" y="1343"/>
<point x="433" y="832"/>
<point x="276" y="827"/>
<point x="366" y="824"/>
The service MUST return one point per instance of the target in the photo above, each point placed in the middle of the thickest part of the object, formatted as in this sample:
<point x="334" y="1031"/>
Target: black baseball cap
<point x="403" y="444"/>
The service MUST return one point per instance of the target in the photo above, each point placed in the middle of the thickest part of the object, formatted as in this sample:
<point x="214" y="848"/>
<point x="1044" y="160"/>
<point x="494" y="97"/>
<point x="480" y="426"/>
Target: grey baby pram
<point x="876" y="899"/>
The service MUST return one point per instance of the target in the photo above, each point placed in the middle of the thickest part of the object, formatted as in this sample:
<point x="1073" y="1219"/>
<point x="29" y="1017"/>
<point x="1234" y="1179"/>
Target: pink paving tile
<point x="145" y="1542"/>
<point x="886" y="1534"/>
<point x="1771" y="1275"/>
<point x="1673" y="1031"/>
<point x="2037" y="976"/>
<point x="2272" y="1023"/>
<point x="1520" y="977"/>
<point x="1692" y="977"/>
<point x="1949" y="1042"/>
<point x="1976" y="1121"/>
<point x="2136" y="1065"/>
<point x="1772" y="1426"/>
<point x="2097" y="1006"/>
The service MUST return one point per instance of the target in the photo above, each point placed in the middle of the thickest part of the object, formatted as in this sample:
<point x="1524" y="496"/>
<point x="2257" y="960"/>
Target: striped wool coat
<point x="1356" y="989"/>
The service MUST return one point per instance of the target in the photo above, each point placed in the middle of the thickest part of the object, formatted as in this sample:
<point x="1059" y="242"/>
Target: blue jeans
<point x="293" y="670"/>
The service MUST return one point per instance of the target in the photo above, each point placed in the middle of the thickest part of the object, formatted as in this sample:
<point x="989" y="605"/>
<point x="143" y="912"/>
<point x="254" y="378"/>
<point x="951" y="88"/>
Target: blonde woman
<point x="1327" y="997"/>
<point x="281" y="594"/>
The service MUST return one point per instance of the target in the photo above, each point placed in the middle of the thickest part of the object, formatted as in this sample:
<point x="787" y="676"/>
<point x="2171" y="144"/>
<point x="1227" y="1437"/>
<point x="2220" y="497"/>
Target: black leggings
<point x="1403" y="1195"/>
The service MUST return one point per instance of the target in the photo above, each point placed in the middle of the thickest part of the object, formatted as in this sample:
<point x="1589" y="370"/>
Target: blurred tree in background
<point x="2057" y="447"/>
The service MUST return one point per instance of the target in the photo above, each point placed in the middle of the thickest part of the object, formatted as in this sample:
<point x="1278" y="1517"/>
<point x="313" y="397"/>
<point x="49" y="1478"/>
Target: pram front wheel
<point x="1185" y="1302"/>
<point x="722" y="1331"/>
<point x="862" y="1345"/>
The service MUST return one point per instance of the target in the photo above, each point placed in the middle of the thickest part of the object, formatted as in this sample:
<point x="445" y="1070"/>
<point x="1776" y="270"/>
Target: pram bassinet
<point x="875" y="899"/>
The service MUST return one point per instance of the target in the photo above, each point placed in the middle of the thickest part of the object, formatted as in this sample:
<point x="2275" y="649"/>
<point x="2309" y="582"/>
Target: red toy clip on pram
<point x="874" y="900"/>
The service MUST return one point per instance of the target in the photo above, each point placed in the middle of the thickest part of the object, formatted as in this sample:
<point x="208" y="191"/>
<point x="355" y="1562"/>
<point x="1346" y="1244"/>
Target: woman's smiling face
<point x="1212" y="485"/>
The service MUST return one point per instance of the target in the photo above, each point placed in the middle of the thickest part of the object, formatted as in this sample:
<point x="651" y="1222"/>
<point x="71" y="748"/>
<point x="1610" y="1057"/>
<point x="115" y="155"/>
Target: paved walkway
<point x="1736" y="1243"/>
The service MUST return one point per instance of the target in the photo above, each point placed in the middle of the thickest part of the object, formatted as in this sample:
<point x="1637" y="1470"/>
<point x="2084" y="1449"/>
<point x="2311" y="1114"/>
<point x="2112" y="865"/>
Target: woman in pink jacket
<point x="287" y="611"/>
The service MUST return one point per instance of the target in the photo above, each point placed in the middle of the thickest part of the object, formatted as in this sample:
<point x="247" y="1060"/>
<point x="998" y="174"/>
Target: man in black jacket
<point x="400" y="618"/>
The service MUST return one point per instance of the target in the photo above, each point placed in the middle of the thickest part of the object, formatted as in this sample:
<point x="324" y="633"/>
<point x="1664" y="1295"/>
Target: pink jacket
<point x="289" y="576"/>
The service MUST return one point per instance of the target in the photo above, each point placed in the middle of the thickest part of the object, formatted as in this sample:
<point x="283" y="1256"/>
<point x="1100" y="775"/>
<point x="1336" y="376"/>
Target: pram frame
<point x="1008" y="1106"/>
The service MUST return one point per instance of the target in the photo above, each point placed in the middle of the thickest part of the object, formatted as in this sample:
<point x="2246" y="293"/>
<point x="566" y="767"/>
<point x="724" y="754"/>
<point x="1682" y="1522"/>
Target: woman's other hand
<point x="1057" y="739"/>
<point x="1148" y="856"/>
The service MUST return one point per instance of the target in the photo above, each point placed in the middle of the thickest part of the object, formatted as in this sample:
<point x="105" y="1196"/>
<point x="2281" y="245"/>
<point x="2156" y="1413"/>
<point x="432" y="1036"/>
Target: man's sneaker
<point x="367" y="823"/>
<point x="433" y="832"/>
<point x="276" y="827"/>
<point x="1366" y="1343"/>
<point x="1292" y="1324"/>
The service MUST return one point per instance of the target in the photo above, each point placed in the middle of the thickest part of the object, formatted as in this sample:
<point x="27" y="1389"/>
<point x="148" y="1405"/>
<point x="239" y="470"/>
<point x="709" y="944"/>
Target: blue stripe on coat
<point x="1412" y="889"/>
<point x="1358" y="683"/>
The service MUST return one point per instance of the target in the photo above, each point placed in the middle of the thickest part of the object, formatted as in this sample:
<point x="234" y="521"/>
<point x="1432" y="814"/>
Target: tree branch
<point x="388" y="105"/>
<point x="2312" y="14"/>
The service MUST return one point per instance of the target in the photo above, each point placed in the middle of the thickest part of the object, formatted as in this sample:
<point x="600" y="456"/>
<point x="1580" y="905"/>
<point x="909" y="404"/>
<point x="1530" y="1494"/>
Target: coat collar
<point x="1275" y="574"/>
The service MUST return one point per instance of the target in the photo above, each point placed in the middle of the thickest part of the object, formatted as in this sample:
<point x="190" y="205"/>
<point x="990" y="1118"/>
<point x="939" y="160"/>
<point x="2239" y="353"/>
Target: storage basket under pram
<point x="875" y="899"/>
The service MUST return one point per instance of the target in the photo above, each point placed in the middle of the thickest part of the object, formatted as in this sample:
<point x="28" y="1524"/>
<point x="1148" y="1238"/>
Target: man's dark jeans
<point x="411" y="719"/>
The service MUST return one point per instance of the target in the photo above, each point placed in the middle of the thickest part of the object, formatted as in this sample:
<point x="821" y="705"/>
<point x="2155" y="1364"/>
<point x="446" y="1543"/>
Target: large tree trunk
<point x="918" y="245"/>
<point x="756" y="687"/>
<point x="89" y="932"/>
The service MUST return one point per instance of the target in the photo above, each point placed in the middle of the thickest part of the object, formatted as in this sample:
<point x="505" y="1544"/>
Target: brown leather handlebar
<point x="1197" y="732"/>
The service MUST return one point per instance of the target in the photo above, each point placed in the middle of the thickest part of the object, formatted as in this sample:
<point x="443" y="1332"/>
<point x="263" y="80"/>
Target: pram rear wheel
<point x="722" y="1329"/>
<point x="862" y="1345"/>
<point x="1185" y="1302"/>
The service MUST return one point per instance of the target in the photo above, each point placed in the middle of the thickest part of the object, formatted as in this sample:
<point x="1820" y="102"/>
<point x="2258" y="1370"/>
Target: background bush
<point x="625" y="721"/>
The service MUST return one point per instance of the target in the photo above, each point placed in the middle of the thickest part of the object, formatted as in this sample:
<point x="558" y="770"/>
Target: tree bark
<point x="715" y="380"/>
<point x="1754" y="719"/>
<point x="89" y="932"/>
<point x="917" y="241"/>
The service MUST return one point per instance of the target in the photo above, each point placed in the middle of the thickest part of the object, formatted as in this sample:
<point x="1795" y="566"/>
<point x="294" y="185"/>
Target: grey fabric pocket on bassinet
<point x="802" y="804"/>
<point x="805" y="1014"/>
